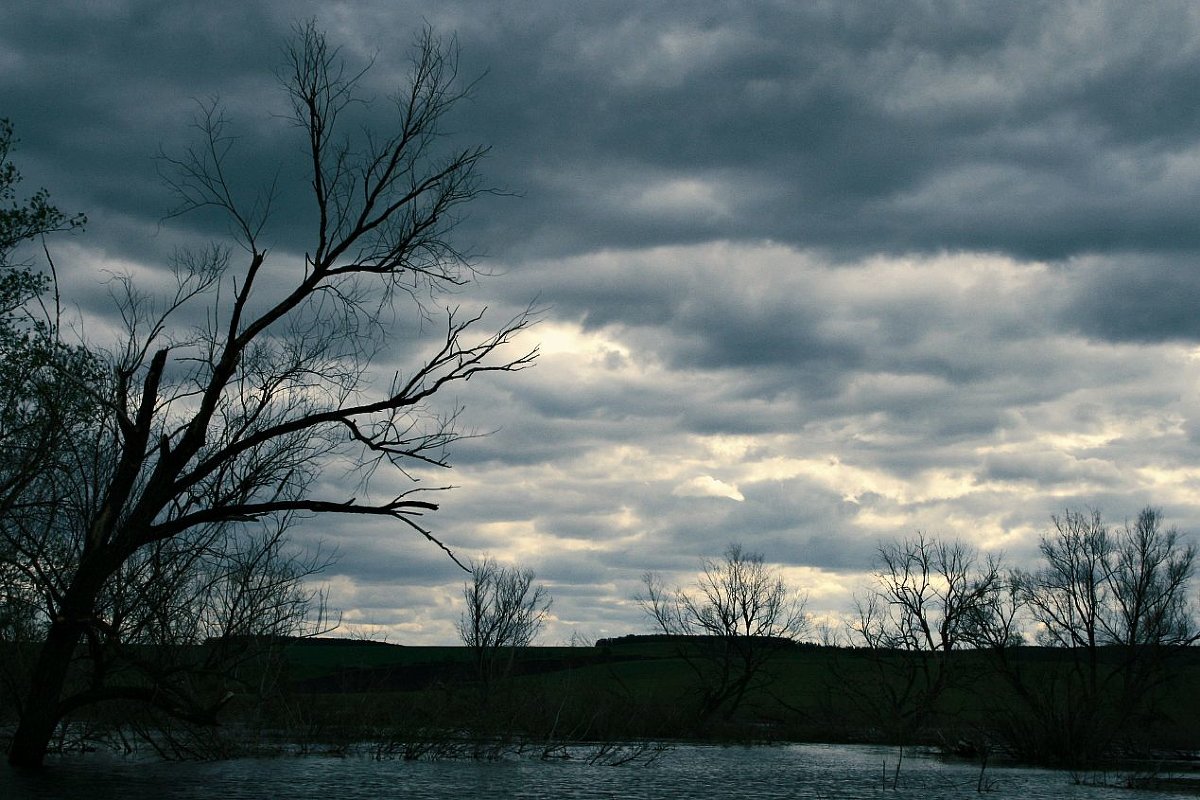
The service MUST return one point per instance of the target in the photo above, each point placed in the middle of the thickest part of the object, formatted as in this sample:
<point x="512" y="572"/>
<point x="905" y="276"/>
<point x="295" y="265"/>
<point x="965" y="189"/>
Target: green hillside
<point x="649" y="687"/>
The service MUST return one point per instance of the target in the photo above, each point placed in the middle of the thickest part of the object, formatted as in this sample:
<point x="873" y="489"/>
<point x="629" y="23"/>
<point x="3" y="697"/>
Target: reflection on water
<point x="817" y="771"/>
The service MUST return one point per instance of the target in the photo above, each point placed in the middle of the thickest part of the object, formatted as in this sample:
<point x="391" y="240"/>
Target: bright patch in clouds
<point x="707" y="486"/>
<point x="681" y="197"/>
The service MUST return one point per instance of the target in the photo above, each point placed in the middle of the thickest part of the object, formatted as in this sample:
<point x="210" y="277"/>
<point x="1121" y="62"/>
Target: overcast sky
<point x="817" y="274"/>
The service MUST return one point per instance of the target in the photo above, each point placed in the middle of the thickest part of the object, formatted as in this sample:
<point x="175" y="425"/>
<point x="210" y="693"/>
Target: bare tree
<point x="1149" y="579"/>
<point x="226" y="427"/>
<point x="741" y="616"/>
<point x="1069" y="595"/>
<point x="1117" y="604"/>
<point x="504" y="612"/>
<point x="927" y="600"/>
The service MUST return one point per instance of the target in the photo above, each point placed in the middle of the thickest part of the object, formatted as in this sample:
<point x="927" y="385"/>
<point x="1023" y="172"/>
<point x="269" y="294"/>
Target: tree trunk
<point x="40" y="714"/>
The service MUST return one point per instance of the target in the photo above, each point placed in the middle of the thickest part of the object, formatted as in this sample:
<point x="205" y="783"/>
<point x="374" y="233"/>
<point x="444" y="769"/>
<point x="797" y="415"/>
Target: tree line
<point x="1069" y="661"/>
<point x="1114" y="603"/>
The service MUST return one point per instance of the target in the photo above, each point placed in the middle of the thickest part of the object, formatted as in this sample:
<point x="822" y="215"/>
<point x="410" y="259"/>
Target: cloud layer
<point x="815" y="274"/>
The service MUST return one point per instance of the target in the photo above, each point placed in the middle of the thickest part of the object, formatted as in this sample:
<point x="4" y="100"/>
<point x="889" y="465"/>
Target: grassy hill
<point x="643" y="687"/>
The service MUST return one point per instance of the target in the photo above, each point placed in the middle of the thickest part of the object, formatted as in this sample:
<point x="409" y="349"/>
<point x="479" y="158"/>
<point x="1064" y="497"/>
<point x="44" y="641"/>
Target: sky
<point x="815" y="276"/>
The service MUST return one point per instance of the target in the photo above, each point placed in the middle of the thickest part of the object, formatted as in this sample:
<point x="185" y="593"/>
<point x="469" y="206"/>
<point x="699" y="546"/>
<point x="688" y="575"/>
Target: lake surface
<point x="686" y="771"/>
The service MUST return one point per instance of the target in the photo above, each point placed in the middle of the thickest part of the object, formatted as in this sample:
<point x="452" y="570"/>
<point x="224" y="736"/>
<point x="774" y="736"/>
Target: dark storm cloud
<point x="1040" y="129"/>
<point x="885" y="126"/>
<point x="95" y="89"/>
<point x="1136" y="298"/>
<point x="888" y="127"/>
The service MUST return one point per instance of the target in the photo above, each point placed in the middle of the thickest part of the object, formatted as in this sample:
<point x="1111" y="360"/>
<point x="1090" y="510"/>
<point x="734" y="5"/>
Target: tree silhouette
<point x="1117" y="602"/>
<point x="217" y="434"/>
<point x="741" y="616"/>
<point x="504" y="611"/>
<point x="925" y="603"/>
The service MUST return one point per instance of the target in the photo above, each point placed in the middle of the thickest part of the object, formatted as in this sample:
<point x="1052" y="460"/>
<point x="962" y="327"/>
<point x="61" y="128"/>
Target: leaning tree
<point x="211" y="438"/>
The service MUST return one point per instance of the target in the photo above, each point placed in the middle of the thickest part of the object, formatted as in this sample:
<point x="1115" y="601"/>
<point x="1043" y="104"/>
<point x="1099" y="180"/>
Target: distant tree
<point x="216" y="435"/>
<point x="1118" y="604"/>
<point x="926" y="600"/>
<point x="1101" y="587"/>
<point x="743" y="614"/>
<point x="504" y="612"/>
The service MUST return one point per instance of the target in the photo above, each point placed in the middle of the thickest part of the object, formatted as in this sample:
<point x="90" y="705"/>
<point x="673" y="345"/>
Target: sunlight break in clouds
<point x="707" y="486"/>
<point x="681" y="197"/>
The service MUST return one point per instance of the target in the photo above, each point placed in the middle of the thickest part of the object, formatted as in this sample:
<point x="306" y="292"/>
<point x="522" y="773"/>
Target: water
<point x="687" y="771"/>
